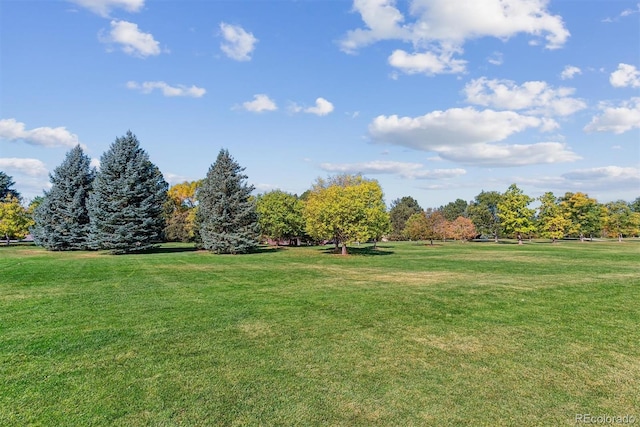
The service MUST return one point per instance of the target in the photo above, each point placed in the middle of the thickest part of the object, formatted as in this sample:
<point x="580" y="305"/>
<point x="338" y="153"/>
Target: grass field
<point x="456" y="334"/>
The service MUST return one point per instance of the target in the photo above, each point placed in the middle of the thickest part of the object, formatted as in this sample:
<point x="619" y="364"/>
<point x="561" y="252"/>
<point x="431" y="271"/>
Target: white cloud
<point x="260" y="103"/>
<point x="132" y="41"/>
<point x="438" y="30"/>
<point x="569" y="72"/>
<point x="456" y="126"/>
<point x="468" y="136"/>
<point x="13" y="130"/>
<point x="322" y="107"/>
<point x="167" y="90"/>
<point x="238" y="43"/>
<point x="612" y="180"/>
<point x="502" y="155"/>
<point x="403" y="169"/>
<point x="95" y="163"/>
<point x="535" y="97"/>
<point x="625" y="76"/>
<point x="29" y="167"/>
<point x="426" y="62"/>
<point x="616" y="119"/>
<point x="104" y="7"/>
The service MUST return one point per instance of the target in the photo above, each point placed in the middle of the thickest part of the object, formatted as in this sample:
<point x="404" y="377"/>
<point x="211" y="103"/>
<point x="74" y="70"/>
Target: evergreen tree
<point x="400" y="212"/>
<point x="62" y="218"/>
<point x="6" y="182"/>
<point x="126" y="205"/>
<point x="226" y="215"/>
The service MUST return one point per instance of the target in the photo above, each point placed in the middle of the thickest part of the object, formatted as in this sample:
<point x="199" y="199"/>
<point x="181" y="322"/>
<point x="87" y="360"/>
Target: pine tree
<point x="6" y="182"/>
<point x="126" y="204"/>
<point x="226" y="216"/>
<point x="62" y="219"/>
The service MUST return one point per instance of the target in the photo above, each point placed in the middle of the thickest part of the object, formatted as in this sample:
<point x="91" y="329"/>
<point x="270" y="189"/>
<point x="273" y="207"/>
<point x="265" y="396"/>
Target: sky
<point x="435" y="99"/>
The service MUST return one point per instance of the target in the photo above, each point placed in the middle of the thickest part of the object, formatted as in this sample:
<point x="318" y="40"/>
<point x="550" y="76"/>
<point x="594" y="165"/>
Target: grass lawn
<point x="476" y="334"/>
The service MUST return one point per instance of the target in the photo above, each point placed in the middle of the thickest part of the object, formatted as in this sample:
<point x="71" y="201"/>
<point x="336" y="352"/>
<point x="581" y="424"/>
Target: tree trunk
<point x="344" y="248"/>
<point x="337" y="244"/>
<point x="620" y="237"/>
<point x="495" y="237"/>
<point x="431" y="242"/>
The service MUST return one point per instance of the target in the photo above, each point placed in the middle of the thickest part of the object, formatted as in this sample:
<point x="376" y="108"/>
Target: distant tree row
<point x="508" y="214"/>
<point x="126" y="206"/>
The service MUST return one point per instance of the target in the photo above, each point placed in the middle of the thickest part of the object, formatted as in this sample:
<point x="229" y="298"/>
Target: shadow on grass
<point x="358" y="251"/>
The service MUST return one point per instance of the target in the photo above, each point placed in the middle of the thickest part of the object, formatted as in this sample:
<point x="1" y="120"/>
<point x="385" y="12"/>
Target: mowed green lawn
<point x="454" y="334"/>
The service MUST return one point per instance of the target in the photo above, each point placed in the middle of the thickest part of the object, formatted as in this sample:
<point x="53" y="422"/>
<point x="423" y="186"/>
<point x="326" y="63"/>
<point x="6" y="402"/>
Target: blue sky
<point x="435" y="99"/>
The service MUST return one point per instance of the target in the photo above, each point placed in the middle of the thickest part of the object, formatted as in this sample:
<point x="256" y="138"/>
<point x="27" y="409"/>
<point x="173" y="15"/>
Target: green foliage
<point x="280" y="215"/>
<point x="453" y="210"/>
<point x="226" y="217"/>
<point x="6" y="182"/>
<point x="552" y="220"/>
<point x="126" y="205"/>
<point x="585" y="213"/>
<point x="14" y="219"/>
<point x="620" y="220"/>
<point x="401" y="210"/>
<point x="483" y="211"/>
<point x="515" y="215"/>
<point x="635" y="205"/>
<point x="347" y="208"/>
<point x="418" y="227"/>
<point x="62" y="217"/>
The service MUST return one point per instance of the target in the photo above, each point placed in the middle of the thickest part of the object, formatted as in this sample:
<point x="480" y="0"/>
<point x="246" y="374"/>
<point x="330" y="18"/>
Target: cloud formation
<point x="13" y="130"/>
<point x="437" y="31"/>
<point x="29" y="167"/>
<point x="131" y="40"/>
<point x="260" y="103"/>
<point x="104" y="7"/>
<point x="321" y="108"/>
<point x="534" y="97"/>
<point x="625" y="76"/>
<point x="618" y="120"/>
<point x="238" y="44"/>
<point x="469" y="136"/>
<point x="167" y="90"/>
<point x="402" y="169"/>
<point x="570" y="72"/>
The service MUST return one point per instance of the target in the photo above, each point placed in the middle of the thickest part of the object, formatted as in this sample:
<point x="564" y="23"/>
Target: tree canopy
<point x="400" y="212"/>
<point x="126" y="204"/>
<point x="280" y="215"/>
<point x="226" y="217"/>
<point x="515" y="215"/>
<point x="6" y="187"/>
<point x="346" y="209"/>
<point x="62" y="218"/>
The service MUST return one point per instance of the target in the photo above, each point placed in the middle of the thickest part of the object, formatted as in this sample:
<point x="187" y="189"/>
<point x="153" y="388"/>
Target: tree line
<point x="127" y="206"/>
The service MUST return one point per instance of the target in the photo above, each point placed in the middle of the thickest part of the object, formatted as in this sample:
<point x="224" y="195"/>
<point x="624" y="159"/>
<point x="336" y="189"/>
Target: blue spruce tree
<point x="226" y="217"/>
<point x="126" y="205"/>
<point x="62" y="219"/>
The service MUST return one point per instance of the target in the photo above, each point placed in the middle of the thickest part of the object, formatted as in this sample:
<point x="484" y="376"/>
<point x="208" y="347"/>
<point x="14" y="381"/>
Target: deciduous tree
<point x="226" y="217"/>
<point x="620" y="220"/>
<point x="515" y="215"/>
<point x="280" y="215"/>
<point x="346" y="208"/>
<point x="126" y="205"/>
<point x="585" y="214"/>
<point x="483" y="211"/>
<point x="462" y="229"/>
<point x="180" y="212"/>
<point x="401" y="210"/>
<point x="552" y="221"/>
<point x="14" y="219"/>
